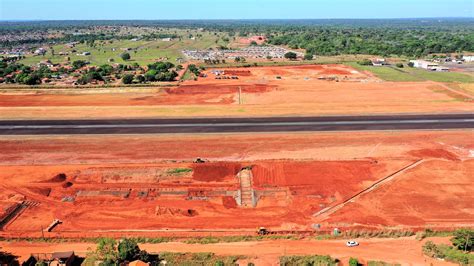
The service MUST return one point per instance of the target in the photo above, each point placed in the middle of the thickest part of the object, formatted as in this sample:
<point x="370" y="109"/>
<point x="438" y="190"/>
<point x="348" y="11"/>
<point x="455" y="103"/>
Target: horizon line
<point x="232" y="19"/>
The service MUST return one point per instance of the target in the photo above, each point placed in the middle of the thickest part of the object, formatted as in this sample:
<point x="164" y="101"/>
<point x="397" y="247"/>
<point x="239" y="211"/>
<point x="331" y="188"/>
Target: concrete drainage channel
<point x="246" y="195"/>
<point x="14" y="212"/>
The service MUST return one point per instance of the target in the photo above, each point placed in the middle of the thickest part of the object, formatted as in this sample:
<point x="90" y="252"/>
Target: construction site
<point x="297" y="184"/>
<point x="238" y="182"/>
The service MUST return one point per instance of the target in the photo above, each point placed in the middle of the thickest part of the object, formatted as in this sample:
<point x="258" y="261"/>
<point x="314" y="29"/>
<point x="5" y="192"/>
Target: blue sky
<point x="231" y="9"/>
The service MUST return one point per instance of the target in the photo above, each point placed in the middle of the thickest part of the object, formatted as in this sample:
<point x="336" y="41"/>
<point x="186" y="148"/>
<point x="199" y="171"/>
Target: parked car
<point x="352" y="243"/>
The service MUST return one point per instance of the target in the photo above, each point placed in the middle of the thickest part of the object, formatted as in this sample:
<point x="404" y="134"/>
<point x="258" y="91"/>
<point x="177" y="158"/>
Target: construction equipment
<point x="262" y="231"/>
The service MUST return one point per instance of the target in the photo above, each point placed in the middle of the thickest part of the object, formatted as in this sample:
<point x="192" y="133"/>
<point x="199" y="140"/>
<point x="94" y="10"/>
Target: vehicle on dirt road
<point x="352" y="243"/>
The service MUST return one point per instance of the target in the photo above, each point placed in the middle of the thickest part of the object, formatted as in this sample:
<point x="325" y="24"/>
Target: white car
<point x="352" y="243"/>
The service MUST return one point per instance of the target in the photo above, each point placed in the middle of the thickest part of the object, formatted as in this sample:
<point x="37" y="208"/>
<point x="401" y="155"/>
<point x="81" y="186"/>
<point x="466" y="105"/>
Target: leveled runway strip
<point x="229" y="125"/>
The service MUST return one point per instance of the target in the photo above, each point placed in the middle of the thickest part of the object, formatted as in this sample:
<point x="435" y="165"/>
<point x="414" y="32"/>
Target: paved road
<point x="227" y="125"/>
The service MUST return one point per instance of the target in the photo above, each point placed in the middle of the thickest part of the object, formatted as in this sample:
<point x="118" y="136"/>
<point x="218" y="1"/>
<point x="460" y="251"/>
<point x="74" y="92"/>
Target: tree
<point x="308" y="56"/>
<point x="290" y="55"/>
<point x="78" y="64"/>
<point x="128" y="250"/>
<point x="399" y="65"/>
<point x="365" y="62"/>
<point x="125" y="56"/>
<point x="140" y="78"/>
<point x="254" y="43"/>
<point x="105" y="70"/>
<point x="411" y="64"/>
<point x="32" y="79"/>
<point x="107" y="251"/>
<point x="127" y="79"/>
<point x="463" y="239"/>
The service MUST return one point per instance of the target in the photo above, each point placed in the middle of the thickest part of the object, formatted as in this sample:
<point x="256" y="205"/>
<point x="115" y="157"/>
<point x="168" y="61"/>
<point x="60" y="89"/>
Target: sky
<point x="230" y="9"/>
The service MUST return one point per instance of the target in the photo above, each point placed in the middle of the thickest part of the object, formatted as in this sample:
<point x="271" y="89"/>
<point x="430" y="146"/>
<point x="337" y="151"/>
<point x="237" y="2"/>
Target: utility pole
<point x="240" y="95"/>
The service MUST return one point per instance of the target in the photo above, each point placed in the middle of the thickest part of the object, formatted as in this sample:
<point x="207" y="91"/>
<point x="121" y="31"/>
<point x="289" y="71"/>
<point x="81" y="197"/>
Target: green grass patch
<point x="204" y="258"/>
<point x="440" y="76"/>
<point x="232" y="239"/>
<point x="381" y="263"/>
<point x="188" y="75"/>
<point x="141" y="52"/>
<point x="307" y="260"/>
<point x="387" y="73"/>
<point x="177" y="171"/>
<point x="409" y="74"/>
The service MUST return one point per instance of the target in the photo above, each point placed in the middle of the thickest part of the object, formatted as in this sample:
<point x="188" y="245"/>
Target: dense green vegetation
<point x="205" y="259"/>
<point x="460" y="251"/>
<point x="409" y="37"/>
<point x="376" y="41"/>
<point x="110" y="252"/>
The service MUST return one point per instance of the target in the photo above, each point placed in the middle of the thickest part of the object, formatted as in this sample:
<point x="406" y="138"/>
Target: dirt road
<point x="406" y="251"/>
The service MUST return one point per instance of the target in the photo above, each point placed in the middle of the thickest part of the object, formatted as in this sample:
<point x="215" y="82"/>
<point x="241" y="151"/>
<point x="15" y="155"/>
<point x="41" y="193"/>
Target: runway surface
<point x="229" y="125"/>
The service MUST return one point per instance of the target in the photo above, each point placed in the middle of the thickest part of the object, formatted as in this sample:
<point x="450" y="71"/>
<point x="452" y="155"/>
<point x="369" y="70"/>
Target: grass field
<point x="142" y="52"/>
<point x="413" y="74"/>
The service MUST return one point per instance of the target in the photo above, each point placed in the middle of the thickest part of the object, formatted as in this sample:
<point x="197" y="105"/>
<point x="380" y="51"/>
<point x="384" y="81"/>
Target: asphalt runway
<point x="235" y="125"/>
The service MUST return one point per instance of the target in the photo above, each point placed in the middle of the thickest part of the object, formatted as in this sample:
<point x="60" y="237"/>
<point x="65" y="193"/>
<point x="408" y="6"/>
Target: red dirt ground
<point x="215" y="172"/>
<point x="258" y="39"/>
<point x="440" y="194"/>
<point x="295" y="176"/>
<point x="300" y="91"/>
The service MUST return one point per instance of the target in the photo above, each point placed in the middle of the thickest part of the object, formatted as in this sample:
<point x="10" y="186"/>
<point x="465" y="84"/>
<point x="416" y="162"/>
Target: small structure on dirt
<point x="66" y="258"/>
<point x="62" y="258"/>
<point x="379" y="62"/>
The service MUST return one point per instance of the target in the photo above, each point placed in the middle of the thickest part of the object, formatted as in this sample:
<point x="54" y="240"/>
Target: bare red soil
<point x="437" y="193"/>
<point x="214" y="172"/>
<point x="258" y="39"/>
<point x="265" y="91"/>
<point x="130" y="184"/>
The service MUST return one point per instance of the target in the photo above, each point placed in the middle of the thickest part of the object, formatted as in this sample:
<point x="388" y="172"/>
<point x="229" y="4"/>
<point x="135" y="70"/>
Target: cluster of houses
<point x="431" y="66"/>
<point x="248" y="52"/>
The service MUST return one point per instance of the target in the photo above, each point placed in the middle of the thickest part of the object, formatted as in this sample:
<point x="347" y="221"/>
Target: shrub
<point x="290" y="55"/>
<point x="125" y="56"/>
<point x="365" y="62"/>
<point x="399" y="65"/>
<point x="127" y="79"/>
<point x="353" y="262"/>
<point x="308" y="56"/>
<point x="307" y="260"/>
